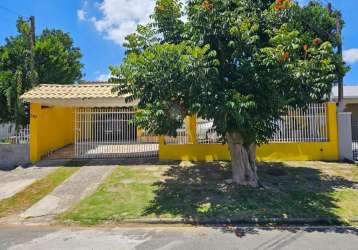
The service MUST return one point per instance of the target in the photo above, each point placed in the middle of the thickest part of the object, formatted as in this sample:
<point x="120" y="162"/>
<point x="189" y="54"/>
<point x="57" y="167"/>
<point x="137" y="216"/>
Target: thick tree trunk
<point x="243" y="160"/>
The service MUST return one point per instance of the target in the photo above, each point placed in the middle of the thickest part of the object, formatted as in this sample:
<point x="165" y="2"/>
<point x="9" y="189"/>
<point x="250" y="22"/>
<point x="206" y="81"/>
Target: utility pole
<point x="329" y="8"/>
<point x="32" y="51"/>
<point x="340" y="54"/>
<point x="32" y="31"/>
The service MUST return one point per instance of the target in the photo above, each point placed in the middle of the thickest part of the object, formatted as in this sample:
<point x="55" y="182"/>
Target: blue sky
<point x="98" y="27"/>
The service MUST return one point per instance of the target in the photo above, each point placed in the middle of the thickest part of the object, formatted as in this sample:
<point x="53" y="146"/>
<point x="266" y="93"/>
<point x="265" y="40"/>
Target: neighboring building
<point x="350" y="99"/>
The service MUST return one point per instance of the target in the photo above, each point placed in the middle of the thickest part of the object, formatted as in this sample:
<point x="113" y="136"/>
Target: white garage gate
<point x="111" y="133"/>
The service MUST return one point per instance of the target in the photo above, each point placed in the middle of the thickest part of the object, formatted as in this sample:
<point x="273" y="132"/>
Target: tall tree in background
<point x="56" y="58"/>
<point x="53" y="59"/>
<point x="239" y="63"/>
<point x="17" y="73"/>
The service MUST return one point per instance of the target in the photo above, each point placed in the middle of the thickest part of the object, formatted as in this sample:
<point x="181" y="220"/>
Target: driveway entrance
<point x="111" y="133"/>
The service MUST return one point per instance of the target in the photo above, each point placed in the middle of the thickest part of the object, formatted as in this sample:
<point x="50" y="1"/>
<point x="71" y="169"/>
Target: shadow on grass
<point x="201" y="194"/>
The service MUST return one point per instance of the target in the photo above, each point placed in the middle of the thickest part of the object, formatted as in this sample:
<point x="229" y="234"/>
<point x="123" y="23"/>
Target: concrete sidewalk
<point x="80" y="184"/>
<point x="18" y="179"/>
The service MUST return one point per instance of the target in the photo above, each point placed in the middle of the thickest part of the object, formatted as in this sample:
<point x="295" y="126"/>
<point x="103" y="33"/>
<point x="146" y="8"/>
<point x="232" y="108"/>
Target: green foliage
<point x="17" y="74"/>
<point x="167" y="16"/>
<point x="55" y="60"/>
<point x="162" y="109"/>
<point x="240" y="63"/>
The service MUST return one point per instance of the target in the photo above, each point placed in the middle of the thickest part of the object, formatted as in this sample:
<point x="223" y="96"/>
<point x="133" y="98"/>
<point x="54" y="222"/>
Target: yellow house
<point x="90" y="121"/>
<point x="67" y="115"/>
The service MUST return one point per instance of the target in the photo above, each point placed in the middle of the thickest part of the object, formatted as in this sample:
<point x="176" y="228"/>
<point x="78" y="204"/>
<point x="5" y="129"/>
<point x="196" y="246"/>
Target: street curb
<point x="292" y="221"/>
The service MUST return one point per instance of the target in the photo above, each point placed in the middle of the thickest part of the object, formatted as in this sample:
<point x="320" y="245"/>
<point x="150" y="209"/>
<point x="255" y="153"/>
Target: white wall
<point x="345" y="135"/>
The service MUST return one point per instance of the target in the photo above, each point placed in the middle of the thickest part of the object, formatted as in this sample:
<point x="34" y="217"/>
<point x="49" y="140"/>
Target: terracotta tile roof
<point x="65" y="92"/>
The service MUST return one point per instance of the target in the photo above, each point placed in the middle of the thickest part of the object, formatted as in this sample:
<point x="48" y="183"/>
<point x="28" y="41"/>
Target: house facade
<point x="91" y="121"/>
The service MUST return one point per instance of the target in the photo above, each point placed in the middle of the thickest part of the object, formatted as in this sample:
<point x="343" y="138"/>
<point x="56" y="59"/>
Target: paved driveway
<point x="20" y="238"/>
<point x="18" y="179"/>
<point x="67" y="194"/>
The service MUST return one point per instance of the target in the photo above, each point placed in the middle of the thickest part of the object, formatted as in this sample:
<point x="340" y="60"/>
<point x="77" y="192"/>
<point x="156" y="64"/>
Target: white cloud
<point x="350" y="56"/>
<point x="119" y="18"/>
<point x="103" y="77"/>
<point x="301" y="2"/>
<point x="81" y="14"/>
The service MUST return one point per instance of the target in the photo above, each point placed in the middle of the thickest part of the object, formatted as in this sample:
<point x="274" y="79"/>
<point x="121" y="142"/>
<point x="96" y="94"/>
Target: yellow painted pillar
<point x="161" y="140"/>
<point x="332" y="128"/>
<point x="35" y="130"/>
<point x="161" y="147"/>
<point x="139" y="134"/>
<point x="332" y="121"/>
<point x="191" y="128"/>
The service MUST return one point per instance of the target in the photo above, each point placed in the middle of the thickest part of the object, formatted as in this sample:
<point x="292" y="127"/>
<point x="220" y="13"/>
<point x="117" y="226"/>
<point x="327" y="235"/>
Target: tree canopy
<point x="53" y="59"/>
<point x="238" y="63"/>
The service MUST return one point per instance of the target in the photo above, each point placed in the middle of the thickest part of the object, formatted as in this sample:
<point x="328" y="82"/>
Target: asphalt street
<point x="187" y="238"/>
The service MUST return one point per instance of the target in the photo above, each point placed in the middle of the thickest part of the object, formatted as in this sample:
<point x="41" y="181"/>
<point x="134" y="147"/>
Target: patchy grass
<point x="124" y="195"/>
<point x="35" y="192"/>
<point x="200" y="192"/>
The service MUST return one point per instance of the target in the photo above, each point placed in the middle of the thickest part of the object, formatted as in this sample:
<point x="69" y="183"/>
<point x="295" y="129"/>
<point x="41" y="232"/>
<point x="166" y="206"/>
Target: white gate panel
<point x="111" y="133"/>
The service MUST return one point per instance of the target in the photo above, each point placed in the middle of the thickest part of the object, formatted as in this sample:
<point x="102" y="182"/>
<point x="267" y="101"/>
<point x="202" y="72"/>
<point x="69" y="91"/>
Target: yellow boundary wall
<point x="51" y="128"/>
<point x="302" y="151"/>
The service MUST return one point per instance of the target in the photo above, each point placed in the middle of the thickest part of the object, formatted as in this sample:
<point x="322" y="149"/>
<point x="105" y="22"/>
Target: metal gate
<point x="111" y="133"/>
<point x="355" y="139"/>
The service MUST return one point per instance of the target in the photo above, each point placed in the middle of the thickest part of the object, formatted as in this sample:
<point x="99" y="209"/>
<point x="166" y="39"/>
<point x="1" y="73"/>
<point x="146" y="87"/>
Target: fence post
<point x="191" y="128"/>
<point x="345" y="135"/>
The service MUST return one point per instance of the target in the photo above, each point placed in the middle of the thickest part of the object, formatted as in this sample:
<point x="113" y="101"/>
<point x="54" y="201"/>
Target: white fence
<point x="6" y="130"/>
<point x="205" y="132"/>
<point x="303" y="125"/>
<point x="181" y="138"/>
<point x="8" y="134"/>
<point x="299" y="125"/>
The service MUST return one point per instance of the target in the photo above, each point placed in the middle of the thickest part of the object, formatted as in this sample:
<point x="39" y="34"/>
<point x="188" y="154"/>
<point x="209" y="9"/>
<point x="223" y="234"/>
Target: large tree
<point x="17" y="74"/>
<point x="240" y="63"/>
<point x="52" y="59"/>
<point x="57" y="60"/>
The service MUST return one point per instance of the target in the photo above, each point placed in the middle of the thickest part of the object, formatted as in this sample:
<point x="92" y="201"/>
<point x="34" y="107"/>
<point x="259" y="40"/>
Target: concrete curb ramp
<point x="70" y="192"/>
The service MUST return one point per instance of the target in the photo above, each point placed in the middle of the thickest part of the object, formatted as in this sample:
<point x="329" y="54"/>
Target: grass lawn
<point x="200" y="192"/>
<point x="36" y="191"/>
